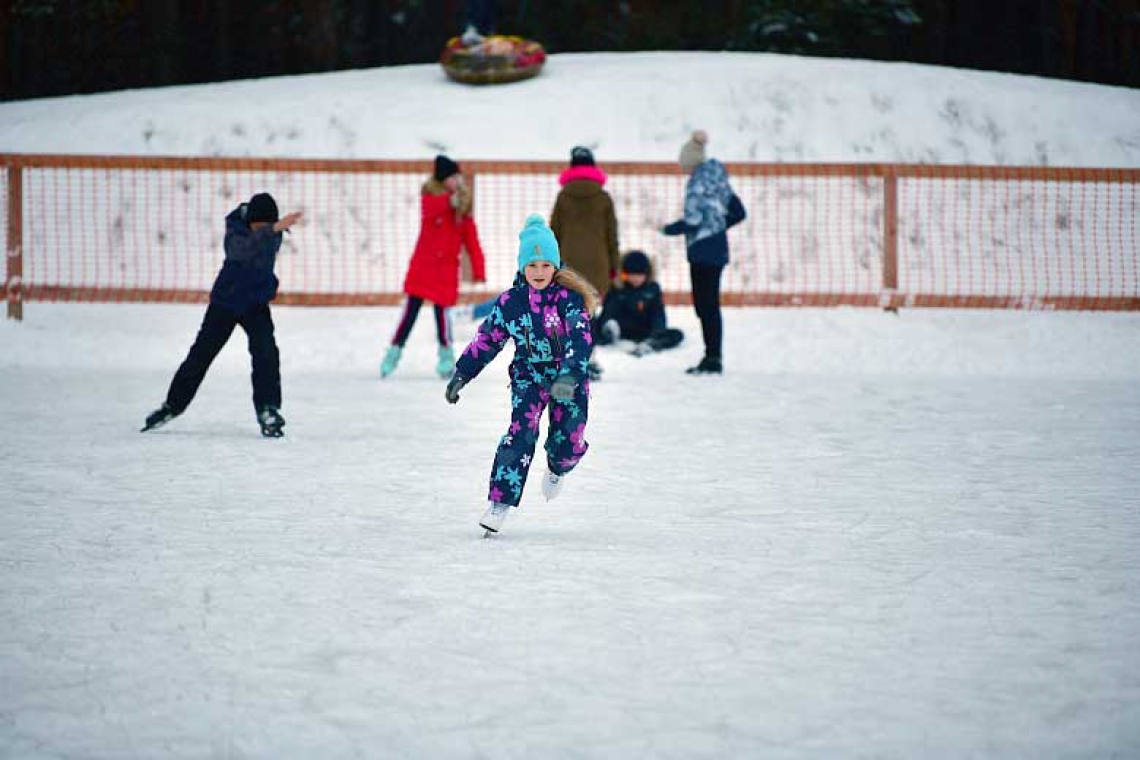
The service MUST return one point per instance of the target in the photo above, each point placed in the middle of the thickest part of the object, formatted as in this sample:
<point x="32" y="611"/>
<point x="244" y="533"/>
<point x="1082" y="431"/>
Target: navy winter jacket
<point x="639" y="312"/>
<point x="246" y="279"/>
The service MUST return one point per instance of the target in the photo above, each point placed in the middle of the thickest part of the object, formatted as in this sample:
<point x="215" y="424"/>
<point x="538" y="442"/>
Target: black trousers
<point x="706" y="300"/>
<point x="663" y="340"/>
<point x="217" y="326"/>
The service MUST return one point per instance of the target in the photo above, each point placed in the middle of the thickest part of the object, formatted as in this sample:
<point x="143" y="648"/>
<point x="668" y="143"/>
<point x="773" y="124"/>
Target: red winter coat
<point x="433" y="273"/>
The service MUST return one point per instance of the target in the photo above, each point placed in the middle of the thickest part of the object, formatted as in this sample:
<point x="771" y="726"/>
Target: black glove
<point x="562" y="389"/>
<point x="454" y="385"/>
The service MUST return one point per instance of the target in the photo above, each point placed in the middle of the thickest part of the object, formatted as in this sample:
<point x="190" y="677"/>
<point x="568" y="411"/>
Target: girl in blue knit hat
<point x="547" y="313"/>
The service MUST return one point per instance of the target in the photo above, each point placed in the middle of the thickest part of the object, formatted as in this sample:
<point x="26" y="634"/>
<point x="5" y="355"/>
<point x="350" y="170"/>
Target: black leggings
<point x="706" y="300"/>
<point x="408" y="321"/>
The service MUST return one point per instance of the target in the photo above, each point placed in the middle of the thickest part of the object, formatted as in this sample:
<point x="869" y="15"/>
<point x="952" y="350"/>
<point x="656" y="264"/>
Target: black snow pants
<point x="217" y="326"/>
<point x="706" y="300"/>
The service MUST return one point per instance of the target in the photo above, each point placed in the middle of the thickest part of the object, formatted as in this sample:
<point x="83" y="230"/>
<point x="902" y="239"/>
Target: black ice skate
<point x="158" y="418"/>
<point x="707" y="366"/>
<point x="271" y="422"/>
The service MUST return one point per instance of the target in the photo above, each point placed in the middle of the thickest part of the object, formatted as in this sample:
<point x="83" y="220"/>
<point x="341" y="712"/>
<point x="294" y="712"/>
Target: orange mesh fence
<point x="150" y="229"/>
<point x="1019" y="237"/>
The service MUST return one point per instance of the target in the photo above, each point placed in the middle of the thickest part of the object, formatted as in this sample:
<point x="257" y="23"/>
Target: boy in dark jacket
<point x="635" y="311"/>
<point x="240" y="296"/>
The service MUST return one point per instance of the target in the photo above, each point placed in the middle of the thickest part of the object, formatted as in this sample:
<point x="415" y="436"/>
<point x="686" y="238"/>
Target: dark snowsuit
<point x="640" y="313"/>
<point x="240" y="296"/>
<point x="551" y="331"/>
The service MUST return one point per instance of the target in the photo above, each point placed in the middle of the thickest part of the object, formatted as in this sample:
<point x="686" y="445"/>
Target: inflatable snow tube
<point x="496" y="60"/>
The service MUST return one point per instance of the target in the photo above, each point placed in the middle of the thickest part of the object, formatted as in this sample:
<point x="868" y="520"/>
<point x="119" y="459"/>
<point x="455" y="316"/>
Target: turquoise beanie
<point x="537" y="243"/>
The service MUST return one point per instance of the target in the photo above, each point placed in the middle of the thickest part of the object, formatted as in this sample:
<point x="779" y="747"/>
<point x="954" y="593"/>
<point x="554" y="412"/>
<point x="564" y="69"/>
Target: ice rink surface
<point x="875" y="536"/>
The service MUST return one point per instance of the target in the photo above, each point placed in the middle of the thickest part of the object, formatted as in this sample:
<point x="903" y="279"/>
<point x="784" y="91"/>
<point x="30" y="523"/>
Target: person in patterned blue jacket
<point x="240" y="296"/>
<point x="711" y="208"/>
<point x="547" y="314"/>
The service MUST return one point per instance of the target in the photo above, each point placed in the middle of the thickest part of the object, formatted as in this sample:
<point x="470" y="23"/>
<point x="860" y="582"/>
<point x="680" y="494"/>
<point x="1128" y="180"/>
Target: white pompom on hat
<point x="693" y="152"/>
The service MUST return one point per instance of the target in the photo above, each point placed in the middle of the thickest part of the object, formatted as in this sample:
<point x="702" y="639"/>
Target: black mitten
<point x="454" y="385"/>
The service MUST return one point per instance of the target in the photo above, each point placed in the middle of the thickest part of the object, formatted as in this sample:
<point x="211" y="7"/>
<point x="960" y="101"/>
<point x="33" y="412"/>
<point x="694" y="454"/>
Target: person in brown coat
<point x="585" y="225"/>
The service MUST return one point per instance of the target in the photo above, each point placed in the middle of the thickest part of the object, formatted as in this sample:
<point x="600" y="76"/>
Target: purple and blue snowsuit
<point x="551" y="330"/>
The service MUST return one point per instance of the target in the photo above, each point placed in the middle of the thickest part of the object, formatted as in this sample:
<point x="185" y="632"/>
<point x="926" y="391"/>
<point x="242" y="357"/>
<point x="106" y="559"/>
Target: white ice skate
<point x="552" y="485"/>
<point x="494" y="516"/>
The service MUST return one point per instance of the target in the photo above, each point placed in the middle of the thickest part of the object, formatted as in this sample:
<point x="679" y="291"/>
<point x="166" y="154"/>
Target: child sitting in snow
<point x="547" y="313"/>
<point x="446" y="225"/>
<point x="634" y="311"/>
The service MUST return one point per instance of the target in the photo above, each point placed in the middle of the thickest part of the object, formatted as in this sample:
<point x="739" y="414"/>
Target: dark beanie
<point x="262" y="208"/>
<point x="581" y="156"/>
<point x="635" y="262"/>
<point x="444" y="168"/>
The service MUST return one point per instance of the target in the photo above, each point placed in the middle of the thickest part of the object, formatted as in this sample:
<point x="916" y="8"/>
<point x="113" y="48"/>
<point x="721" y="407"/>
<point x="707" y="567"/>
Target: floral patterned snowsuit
<point x="551" y="330"/>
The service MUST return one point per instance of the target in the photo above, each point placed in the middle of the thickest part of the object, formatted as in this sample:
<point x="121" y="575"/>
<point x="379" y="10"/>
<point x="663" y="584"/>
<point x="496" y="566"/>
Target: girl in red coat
<point x="446" y="225"/>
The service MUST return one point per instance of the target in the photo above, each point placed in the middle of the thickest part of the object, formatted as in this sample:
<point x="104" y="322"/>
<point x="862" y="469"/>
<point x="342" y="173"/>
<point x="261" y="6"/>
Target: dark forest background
<point x="60" y="47"/>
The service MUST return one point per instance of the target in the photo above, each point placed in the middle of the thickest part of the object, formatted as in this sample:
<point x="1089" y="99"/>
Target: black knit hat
<point x="635" y="262"/>
<point x="444" y="168"/>
<point x="580" y="155"/>
<point x="262" y="208"/>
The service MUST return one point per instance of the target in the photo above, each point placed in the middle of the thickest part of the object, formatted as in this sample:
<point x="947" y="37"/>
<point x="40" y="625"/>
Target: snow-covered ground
<point x="876" y="536"/>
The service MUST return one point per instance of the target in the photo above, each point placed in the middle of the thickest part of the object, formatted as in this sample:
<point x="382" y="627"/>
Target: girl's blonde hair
<point x="568" y="278"/>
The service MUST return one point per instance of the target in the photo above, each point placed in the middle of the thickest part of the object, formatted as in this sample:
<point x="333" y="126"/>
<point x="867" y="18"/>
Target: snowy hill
<point x="757" y="107"/>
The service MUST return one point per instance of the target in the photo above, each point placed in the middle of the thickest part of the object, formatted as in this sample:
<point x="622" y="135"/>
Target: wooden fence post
<point x="14" y="281"/>
<point x="889" y="298"/>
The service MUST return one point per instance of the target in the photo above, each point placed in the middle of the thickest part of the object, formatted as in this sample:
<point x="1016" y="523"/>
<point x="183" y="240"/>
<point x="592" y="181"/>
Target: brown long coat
<point x="584" y="222"/>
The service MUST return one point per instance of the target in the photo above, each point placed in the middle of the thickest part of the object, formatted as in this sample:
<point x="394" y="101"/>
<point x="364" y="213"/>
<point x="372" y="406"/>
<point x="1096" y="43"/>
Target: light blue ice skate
<point x="391" y="359"/>
<point x="446" y="364"/>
